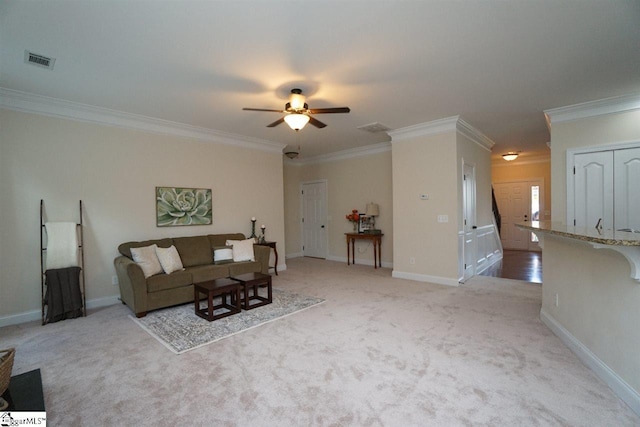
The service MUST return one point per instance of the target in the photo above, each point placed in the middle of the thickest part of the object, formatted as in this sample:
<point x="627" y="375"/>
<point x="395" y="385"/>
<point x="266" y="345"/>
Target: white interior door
<point x="314" y="217"/>
<point x="469" y="220"/>
<point x="593" y="189"/>
<point x="627" y="188"/>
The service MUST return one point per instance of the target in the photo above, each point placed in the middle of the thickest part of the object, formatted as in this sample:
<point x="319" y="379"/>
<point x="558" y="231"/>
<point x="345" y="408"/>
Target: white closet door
<point x="627" y="188"/>
<point x="593" y="189"/>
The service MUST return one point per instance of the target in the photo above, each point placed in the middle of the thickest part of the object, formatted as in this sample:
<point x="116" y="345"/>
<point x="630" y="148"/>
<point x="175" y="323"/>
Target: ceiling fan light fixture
<point x="291" y="154"/>
<point x="296" y="100"/>
<point x="296" y="121"/>
<point x="510" y="156"/>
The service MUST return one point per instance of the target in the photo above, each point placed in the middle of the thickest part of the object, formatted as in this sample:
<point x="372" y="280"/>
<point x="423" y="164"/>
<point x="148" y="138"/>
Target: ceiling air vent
<point x="374" y="127"/>
<point x="38" y="60"/>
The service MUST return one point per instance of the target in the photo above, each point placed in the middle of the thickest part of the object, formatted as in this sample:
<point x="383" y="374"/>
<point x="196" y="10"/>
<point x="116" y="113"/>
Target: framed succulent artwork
<point x="183" y="206"/>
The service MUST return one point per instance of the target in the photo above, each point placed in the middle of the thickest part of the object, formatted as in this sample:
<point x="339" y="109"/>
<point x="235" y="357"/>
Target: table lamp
<point x="373" y="210"/>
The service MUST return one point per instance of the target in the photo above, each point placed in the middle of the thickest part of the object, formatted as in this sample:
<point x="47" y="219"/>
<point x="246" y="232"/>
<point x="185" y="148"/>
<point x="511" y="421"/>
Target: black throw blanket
<point x="63" y="297"/>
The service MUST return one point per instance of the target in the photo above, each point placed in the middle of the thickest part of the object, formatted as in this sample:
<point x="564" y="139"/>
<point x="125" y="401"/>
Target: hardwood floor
<point x="519" y="265"/>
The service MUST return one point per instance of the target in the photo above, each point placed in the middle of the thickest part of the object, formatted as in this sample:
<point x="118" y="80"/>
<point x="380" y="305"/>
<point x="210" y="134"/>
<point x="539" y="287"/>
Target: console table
<point x="376" y="239"/>
<point x="275" y="251"/>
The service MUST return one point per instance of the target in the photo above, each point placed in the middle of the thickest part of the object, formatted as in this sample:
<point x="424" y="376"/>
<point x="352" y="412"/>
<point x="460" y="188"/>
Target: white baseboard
<point x="294" y="255"/>
<point x="359" y="261"/>
<point x="425" y="278"/>
<point x="30" y="316"/>
<point x="619" y="386"/>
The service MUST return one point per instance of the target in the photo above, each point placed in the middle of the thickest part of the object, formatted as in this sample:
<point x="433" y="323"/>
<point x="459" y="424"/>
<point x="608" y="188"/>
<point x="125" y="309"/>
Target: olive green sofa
<point x="196" y="253"/>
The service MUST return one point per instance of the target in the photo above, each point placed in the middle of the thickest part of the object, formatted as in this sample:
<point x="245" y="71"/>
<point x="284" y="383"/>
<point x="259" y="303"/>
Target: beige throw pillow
<point x="169" y="259"/>
<point x="242" y="250"/>
<point x="147" y="259"/>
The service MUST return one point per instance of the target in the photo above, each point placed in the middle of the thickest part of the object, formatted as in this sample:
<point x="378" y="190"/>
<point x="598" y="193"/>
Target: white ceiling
<point x="498" y="64"/>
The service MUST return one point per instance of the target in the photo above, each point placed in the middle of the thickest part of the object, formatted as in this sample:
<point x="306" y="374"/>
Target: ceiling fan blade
<point x="317" y="123"/>
<point x="276" y="123"/>
<point x="329" y="110"/>
<point x="262" y="109"/>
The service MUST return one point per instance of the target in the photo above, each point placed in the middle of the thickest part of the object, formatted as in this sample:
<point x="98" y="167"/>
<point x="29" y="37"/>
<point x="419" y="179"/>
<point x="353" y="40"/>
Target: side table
<point x="252" y="281"/>
<point x="214" y="288"/>
<point x="377" y="247"/>
<point x="275" y="251"/>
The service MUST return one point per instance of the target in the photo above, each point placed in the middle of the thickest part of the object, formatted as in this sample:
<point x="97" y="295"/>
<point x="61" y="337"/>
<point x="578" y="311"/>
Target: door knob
<point x="322" y="226"/>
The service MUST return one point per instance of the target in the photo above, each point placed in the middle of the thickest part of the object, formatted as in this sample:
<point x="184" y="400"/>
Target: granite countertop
<point x="588" y="234"/>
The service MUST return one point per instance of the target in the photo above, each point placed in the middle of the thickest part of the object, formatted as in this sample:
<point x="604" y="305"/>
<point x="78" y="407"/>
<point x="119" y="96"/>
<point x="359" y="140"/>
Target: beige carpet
<point x="380" y="352"/>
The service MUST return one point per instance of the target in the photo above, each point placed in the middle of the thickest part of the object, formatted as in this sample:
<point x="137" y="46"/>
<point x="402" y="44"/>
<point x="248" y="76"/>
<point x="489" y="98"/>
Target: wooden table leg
<point x="275" y="266"/>
<point x="375" y="255"/>
<point x="353" y="251"/>
<point x="348" y="254"/>
<point x="380" y="253"/>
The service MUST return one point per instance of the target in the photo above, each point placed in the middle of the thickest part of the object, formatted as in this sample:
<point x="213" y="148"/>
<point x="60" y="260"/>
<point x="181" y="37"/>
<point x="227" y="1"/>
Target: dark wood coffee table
<point x="251" y="281"/>
<point x="213" y="288"/>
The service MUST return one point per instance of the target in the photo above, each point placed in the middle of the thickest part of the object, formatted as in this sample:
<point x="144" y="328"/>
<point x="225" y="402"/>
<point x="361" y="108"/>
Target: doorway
<point x="314" y="217"/>
<point x="519" y="201"/>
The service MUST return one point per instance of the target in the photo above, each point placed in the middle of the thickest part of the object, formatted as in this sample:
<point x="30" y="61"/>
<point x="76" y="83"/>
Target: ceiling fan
<point x="298" y="114"/>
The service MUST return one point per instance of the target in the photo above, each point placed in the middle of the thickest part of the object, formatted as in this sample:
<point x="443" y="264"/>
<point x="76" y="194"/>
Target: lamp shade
<point x="373" y="209"/>
<point x="296" y="121"/>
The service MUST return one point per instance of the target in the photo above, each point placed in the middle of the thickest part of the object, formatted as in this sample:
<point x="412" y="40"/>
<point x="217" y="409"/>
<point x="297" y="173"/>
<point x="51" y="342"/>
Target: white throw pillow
<point x="242" y="249"/>
<point x="222" y="254"/>
<point x="147" y="259"/>
<point x="169" y="259"/>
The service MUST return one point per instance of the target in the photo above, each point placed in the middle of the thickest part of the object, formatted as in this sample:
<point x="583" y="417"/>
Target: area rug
<point x="180" y="330"/>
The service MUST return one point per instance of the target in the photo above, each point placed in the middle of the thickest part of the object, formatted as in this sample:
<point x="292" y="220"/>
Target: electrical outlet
<point x="114" y="280"/>
<point x="443" y="218"/>
<point x="412" y="260"/>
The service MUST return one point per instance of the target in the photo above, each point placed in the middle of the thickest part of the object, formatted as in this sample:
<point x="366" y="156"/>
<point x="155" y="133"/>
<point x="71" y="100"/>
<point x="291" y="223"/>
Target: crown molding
<point x="434" y="127"/>
<point x="351" y="153"/>
<point x="617" y="104"/>
<point x="449" y="124"/>
<point x="474" y="135"/>
<point x="53" y="107"/>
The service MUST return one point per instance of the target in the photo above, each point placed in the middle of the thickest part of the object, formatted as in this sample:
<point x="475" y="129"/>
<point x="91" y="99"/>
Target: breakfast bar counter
<point x="626" y="243"/>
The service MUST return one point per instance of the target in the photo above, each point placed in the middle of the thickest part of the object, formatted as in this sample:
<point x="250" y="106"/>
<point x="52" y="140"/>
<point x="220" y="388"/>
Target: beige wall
<point x="511" y="172"/>
<point x="351" y="184"/>
<point x="426" y="165"/>
<point x="596" y="131"/>
<point x="597" y="300"/>
<point x="115" y="171"/>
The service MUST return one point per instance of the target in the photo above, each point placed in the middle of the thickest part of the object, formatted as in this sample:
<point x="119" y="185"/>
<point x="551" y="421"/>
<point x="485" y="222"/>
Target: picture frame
<point x="178" y="206"/>
<point x="363" y="224"/>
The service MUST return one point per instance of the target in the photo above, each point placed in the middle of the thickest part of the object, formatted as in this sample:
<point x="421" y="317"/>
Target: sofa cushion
<point x="162" y="282"/>
<point x="147" y="259"/>
<point x="125" y="248"/>
<point x="169" y="259"/>
<point x="193" y="250"/>
<point x="203" y="273"/>
<point x="220" y="239"/>
<point x="238" y="268"/>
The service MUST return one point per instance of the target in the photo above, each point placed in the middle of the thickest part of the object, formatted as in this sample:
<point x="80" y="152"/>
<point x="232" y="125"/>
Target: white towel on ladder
<point x="62" y="245"/>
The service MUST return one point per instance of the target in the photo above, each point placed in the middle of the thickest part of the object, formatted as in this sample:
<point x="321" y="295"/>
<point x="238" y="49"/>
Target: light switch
<point x="443" y="218"/>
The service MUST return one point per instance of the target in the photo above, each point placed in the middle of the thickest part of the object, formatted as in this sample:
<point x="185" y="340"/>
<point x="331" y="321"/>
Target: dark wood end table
<point x="213" y="288"/>
<point x="275" y="251"/>
<point x="251" y="281"/>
